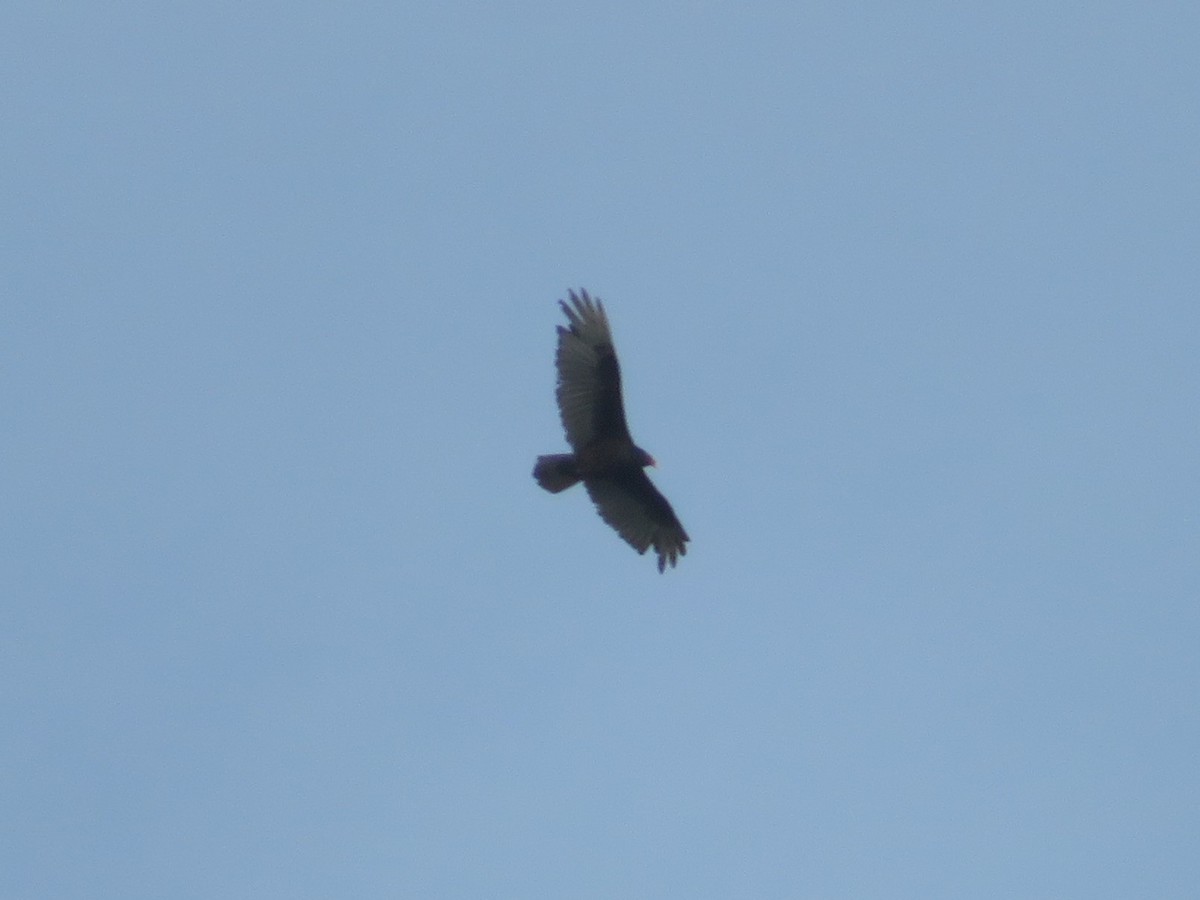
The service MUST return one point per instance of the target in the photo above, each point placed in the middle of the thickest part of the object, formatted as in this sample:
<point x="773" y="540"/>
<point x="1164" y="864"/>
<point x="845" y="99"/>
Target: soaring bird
<point x="606" y="459"/>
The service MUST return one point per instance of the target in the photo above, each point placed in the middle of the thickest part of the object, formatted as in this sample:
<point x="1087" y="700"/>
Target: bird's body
<point x="605" y="458"/>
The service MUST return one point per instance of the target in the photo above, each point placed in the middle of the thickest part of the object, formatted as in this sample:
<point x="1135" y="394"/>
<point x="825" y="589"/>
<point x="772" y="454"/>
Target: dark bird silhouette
<point x="605" y="459"/>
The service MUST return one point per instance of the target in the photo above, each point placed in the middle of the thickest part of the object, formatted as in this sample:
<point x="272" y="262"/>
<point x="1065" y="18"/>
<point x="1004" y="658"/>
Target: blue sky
<point x="906" y="302"/>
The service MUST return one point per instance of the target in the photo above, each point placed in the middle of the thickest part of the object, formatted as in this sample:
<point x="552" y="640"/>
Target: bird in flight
<point x="606" y="460"/>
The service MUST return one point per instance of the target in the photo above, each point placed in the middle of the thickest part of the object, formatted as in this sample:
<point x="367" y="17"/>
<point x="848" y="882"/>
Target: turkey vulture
<point x="605" y="459"/>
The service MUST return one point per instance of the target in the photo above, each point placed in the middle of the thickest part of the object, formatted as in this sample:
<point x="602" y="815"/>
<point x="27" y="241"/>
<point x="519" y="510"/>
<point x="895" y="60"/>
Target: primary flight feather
<point x="606" y="460"/>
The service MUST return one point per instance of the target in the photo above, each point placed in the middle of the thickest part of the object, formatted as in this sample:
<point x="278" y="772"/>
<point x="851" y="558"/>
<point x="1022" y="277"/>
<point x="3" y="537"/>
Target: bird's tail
<point x="556" y="472"/>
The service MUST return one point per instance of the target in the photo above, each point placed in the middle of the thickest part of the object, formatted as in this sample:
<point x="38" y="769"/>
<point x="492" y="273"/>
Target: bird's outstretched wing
<point x="589" y="377"/>
<point x="629" y="502"/>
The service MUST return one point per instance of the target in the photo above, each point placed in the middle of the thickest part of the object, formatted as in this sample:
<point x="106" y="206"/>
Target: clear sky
<point x="907" y="297"/>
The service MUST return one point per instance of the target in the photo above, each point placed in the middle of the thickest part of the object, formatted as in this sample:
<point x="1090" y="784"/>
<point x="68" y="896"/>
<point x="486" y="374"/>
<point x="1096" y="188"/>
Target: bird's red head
<point x="644" y="458"/>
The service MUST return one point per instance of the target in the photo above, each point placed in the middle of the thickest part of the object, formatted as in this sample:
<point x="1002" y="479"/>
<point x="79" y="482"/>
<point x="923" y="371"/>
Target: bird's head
<point x="644" y="458"/>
